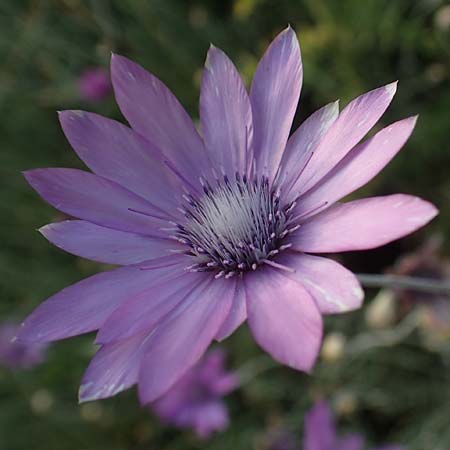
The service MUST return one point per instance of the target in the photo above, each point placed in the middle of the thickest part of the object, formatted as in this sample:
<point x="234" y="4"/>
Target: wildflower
<point x="195" y="401"/>
<point x="211" y="231"/>
<point x="320" y="433"/>
<point x="426" y="262"/>
<point x="94" y="84"/>
<point x="15" y="354"/>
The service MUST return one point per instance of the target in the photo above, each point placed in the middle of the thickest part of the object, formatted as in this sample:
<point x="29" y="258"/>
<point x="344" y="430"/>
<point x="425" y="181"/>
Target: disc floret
<point x="235" y="226"/>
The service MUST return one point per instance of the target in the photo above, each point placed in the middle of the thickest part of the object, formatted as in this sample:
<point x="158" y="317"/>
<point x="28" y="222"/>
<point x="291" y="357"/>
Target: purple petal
<point x="210" y="417"/>
<point x="96" y="199"/>
<point x="283" y="318"/>
<point x="183" y="337"/>
<point x="116" y="152"/>
<point x="320" y="430"/>
<point x="334" y="288"/>
<point x="237" y="315"/>
<point x="351" y="126"/>
<point x="303" y="143"/>
<point x="225" y="114"/>
<point x="363" y="224"/>
<point x="359" y="166"/>
<point x="155" y="113"/>
<point x="113" y="369"/>
<point x="105" y="245"/>
<point x="145" y="310"/>
<point x="84" y="306"/>
<point x="274" y="96"/>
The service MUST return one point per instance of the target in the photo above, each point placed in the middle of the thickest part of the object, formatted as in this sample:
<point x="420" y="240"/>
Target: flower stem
<point x="402" y="282"/>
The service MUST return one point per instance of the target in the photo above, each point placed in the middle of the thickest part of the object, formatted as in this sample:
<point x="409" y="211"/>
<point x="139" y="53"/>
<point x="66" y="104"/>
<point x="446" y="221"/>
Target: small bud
<point x="333" y="347"/>
<point x="41" y="401"/>
<point x="381" y="311"/>
<point x="442" y="18"/>
<point x="345" y="403"/>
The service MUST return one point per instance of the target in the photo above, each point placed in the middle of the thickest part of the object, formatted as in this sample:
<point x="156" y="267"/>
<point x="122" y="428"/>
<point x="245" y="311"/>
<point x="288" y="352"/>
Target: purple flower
<point x="195" y="401"/>
<point x="211" y="231"/>
<point x="94" y="84"/>
<point x="427" y="262"/>
<point x="320" y="433"/>
<point x="15" y="354"/>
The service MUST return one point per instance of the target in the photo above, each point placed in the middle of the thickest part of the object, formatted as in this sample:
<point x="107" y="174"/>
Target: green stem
<point x="403" y="282"/>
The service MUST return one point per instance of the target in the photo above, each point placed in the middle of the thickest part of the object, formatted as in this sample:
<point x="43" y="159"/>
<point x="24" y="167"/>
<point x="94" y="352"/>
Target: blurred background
<point x="385" y="369"/>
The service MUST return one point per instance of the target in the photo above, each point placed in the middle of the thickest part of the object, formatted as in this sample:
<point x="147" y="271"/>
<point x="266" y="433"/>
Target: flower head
<point x="214" y="229"/>
<point x="94" y="84"/>
<point x="15" y="354"/>
<point x="196" y="400"/>
<point x="320" y="432"/>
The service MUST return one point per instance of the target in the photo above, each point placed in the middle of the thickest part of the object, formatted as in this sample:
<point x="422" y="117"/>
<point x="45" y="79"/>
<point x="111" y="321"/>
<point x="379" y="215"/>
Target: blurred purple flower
<point x="216" y="230"/>
<point x="16" y="354"/>
<point x="196" y="400"/>
<point x="426" y="262"/>
<point x="94" y="84"/>
<point x="320" y="432"/>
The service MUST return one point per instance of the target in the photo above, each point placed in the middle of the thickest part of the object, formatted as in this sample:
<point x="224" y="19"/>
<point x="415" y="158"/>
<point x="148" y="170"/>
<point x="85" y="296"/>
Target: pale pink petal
<point x="105" y="245"/>
<point x="334" y="288"/>
<point x="283" y="318"/>
<point x="363" y="224"/>
<point x="116" y="152"/>
<point x="85" y="306"/>
<point x="225" y="114"/>
<point x="155" y="113"/>
<point x="303" y="143"/>
<point x="359" y="166"/>
<point x="350" y="127"/>
<point x="179" y="342"/>
<point x="237" y="315"/>
<point x="274" y="96"/>
<point x="96" y="199"/>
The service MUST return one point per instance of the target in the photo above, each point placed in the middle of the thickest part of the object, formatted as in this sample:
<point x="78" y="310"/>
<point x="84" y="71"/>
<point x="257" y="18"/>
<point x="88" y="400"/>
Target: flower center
<point x="235" y="226"/>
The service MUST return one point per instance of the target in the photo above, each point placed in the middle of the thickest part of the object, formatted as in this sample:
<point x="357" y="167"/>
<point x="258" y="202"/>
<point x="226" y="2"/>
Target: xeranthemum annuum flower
<point x="217" y="229"/>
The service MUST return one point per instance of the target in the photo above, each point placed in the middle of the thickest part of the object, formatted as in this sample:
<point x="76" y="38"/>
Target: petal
<point x="334" y="288"/>
<point x="145" y="310"/>
<point x="96" y="199"/>
<point x="209" y="417"/>
<point x="105" y="245"/>
<point x="113" y="369"/>
<point x="350" y="127"/>
<point x="155" y="113"/>
<point x="237" y="315"/>
<point x="320" y="430"/>
<point x="179" y="342"/>
<point x="274" y="96"/>
<point x="303" y="143"/>
<point x="283" y="318"/>
<point x="225" y="114"/>
<point x="116" y="152"/>
<point x="359" y="166"/>
<point x="363" y="224"/>
<point x="84" y="306"/>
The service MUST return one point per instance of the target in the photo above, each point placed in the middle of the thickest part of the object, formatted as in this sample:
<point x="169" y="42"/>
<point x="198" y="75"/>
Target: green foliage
<point x="400" y="393"/>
